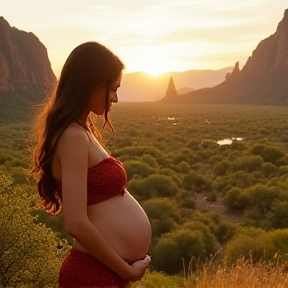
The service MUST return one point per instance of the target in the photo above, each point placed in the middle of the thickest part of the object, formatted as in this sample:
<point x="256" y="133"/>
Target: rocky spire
<point x="171" y="90"/>
<point x="235" y="71"/>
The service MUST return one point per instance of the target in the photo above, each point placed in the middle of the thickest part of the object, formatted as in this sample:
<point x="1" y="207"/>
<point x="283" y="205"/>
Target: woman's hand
<point x="137" y="269"/>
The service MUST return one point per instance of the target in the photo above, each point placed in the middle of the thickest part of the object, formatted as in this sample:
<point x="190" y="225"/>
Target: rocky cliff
<point x="263" y="79"/>
<point x="24" y="62"/>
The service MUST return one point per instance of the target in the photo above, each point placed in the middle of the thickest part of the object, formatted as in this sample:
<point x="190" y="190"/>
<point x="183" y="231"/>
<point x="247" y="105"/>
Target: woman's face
<point x="97" y="101"/>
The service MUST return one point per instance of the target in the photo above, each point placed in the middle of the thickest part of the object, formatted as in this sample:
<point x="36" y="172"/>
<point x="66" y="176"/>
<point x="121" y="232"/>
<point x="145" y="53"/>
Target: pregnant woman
<point x="79" y="178"/>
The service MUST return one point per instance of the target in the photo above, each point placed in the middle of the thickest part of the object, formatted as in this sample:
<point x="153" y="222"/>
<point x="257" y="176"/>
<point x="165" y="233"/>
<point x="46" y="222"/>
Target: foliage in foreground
<point x="28" y="252"/>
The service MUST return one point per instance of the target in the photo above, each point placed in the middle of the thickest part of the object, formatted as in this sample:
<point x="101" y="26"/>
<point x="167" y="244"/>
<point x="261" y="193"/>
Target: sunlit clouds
<point x="151" y="35"/>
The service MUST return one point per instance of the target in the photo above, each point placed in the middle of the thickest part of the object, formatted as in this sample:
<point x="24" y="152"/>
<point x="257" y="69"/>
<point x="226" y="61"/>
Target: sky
<point x="153" y="36"/>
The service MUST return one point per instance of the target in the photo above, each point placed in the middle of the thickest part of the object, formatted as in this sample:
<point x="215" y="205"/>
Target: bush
<point x="261" y="196"/>
<point x="221" y="168"/>
<point x="29" y="254"/>
<point x="163" y="215"/>
<point x="236" y="200"/>
<point x="248" y="163"/>
<point x="196" y="182"/>
<point x="268" y="153"/>
<point x="177" y="249"/>
<point x="269" y="169"/>
<point x="255" y="244"/>
<point x="136" y="167"/>
<point x="225" y="232"/>
<point x="149" y="160"/>
<point x="183" y="167"/>
<point x="250" y="243"/>
<point x="279" y="214"/>
<point x="160" y="186"/>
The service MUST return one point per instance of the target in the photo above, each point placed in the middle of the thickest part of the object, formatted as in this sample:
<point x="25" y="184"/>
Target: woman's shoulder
<point x="74" y="135"/>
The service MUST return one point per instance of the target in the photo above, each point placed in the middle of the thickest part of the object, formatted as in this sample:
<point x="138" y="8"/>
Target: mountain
<point x="25" y="70"/>
<point x="140" y="86"/>
<point x="263" y="79"/>
<point x="184" y="90"/>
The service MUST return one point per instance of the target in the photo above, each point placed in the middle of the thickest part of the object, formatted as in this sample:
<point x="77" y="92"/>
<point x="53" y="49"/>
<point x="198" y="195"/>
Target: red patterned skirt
<point x="82" y="270"/>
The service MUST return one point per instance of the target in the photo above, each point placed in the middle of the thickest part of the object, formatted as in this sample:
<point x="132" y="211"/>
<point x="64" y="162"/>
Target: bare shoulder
<point x="73" y="145"/>
<point x="73" y="136"/>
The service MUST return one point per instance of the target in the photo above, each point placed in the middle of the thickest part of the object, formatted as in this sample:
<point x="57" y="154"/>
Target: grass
<point x="243" y="274"/>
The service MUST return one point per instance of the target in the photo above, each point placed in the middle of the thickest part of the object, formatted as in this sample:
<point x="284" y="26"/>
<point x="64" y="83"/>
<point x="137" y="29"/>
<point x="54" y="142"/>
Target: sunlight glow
<point x="156" y="69"/>
<point x="151" y="36"/>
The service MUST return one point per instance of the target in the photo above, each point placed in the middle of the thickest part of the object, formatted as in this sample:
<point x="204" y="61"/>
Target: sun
<point x="154" y="66"/>
<point x="155" y="71"/>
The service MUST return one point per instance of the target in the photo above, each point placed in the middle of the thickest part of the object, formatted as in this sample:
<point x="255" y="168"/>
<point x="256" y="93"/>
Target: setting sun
<point x="153" y="60"/>
<point x="155" y="69"/>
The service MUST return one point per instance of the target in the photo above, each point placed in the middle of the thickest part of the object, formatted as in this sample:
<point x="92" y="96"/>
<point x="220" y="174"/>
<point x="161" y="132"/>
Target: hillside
<point x="25" y="70"/>
<point x="263" y="79"/>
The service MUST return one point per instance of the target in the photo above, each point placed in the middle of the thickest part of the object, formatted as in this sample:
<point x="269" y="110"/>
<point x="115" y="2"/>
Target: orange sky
<point x="150" y="35"/>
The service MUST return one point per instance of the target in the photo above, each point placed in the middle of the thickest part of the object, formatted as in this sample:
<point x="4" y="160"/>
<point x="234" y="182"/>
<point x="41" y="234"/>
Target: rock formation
<point x="24" y="61"/>
<point x="234" y="72"/>
<point x="171" y="90"/>
<point x="263" y="79"/>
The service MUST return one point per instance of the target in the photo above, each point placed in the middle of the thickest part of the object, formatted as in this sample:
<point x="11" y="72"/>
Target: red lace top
<point x="104" y="180"/>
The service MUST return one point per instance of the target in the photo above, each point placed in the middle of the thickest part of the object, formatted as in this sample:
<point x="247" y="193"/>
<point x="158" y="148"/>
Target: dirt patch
<point x="217" y="207"/>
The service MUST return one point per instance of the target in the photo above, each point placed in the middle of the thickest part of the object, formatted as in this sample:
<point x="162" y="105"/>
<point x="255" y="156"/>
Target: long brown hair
<point x="89" y="66"/>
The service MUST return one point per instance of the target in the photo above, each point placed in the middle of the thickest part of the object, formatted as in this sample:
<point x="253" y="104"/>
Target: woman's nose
<point x="114" y="98"/>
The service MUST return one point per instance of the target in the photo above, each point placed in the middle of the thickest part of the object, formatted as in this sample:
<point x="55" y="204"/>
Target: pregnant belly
<point x="124" y="224"/>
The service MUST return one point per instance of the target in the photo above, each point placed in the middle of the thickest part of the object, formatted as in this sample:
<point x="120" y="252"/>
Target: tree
<point x="262" y="196"/>
<point x="160" y="186"/>
<point x="137" y="167"/>
<point x="28" y="252"/>
<point x="150" y="160"/>
<point x="256" y="244"/>
<point x="250" y="243"/>
<point x="163" y="215"/>
<point x="249" y="163"/>
<point x="177" y="249"/>
<point x="269" y="169"/>
<point x="279" y="214"/>
<point x="196" y="182"/>
<point x="235" y="200"/>
<point x="268" y="153"/>
<point x="166" y="256"/>
<point x="207" y="236"/>
<point x="183" y="167"/>
<point x="225" y="231"/>
<point x="222" y="167"/>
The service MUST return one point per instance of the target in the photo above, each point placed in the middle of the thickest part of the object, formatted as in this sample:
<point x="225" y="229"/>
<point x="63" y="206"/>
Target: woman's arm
<point x="73" y="153"/>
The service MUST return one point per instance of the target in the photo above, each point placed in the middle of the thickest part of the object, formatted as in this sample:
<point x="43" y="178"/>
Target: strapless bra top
<point x="104" y="180"/>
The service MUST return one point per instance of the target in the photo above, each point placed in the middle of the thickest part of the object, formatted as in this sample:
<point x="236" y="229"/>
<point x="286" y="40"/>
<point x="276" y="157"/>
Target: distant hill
<point x="184" y="90"/>
<point x="25" y="70"/>
<point x="140" y="86"/>
<point x="263" y="80"/>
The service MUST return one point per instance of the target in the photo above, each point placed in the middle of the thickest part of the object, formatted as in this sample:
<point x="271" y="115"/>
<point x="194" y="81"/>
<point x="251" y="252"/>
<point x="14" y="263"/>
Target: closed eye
<point x="114" y="88"/>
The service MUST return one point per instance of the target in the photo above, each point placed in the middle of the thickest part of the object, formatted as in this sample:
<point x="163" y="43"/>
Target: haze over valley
<point x="141" y="86"/>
